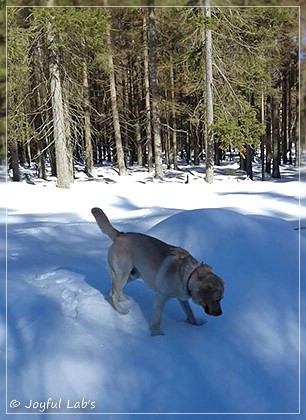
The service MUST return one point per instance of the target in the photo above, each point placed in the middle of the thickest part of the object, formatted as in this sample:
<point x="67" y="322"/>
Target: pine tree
<point x="255" y="56"/>
<point x="148" y="127"/>
<point x="116" y="122"/>
<point x="154" y="93"/>
<point x="61" y="150"/>
<point x="209" y="97"/>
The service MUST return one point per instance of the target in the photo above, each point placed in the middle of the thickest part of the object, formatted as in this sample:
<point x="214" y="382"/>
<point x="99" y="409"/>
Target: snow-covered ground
<point x="69" y="352"/>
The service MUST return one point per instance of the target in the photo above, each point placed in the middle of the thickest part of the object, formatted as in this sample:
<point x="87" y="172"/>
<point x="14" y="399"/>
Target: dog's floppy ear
<point x="207" y="292"/>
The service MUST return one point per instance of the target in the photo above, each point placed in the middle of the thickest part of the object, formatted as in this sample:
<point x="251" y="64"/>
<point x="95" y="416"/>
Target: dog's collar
<point x="189" y="277"/>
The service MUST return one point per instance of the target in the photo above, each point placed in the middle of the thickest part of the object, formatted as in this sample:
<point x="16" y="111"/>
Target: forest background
<point x="108" y="105"/>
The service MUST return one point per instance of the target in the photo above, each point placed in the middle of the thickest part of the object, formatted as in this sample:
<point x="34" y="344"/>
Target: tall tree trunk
<point x="275" y="139"/>
<point x="285" y="85"/>
<point x="147" y="95"/>
<point x="174" y="137"/>
<point x="39" y="123"/>
<point x="113" y="95"/>
<point x="126" y="113"/>
<point x="268" y="135"/>
<point x="296" y="132"/>
<point x="67" y="120"/>
<point x="138" y="144"/>
<point x="263" y="138"/>
<point x="40" y="162"/>
<point x="14" y="164"/>
<point x="209" y="98"/>
<point x="249" y="158"/>
<point x="62" y="163"/>
<point x="167" y="137"/>
<point x="137" y="101"/>
<point x="196" y="148"/>
<point x="87" y="123"/>
<point x="246" y="160"/>
<point x="289" y="123"/>
<point x="154" y="94"/>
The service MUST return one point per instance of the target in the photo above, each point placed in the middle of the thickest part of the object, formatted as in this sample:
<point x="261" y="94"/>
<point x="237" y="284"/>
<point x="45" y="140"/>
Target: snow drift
<point x="69" y="352"/>
<point x="67" y="343"/>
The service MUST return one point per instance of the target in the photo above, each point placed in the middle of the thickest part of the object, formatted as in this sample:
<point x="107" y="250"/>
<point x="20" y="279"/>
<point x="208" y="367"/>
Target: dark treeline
<point x="128" y="86"/>
<point x="2" y="82"/>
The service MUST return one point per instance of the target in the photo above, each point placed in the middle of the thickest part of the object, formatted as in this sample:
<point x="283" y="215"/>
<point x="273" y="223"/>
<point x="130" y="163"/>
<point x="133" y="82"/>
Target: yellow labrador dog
<point x="170" y="271"/>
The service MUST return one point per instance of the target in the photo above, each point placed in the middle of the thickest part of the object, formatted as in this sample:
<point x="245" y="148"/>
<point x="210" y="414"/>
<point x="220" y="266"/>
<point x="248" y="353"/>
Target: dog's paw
<point x="196" y="321"/>
<point x="156" y="332"/>
<point x="122" y="297"/>
<point x="119" y="308"/>
<point x="124" y="311"/>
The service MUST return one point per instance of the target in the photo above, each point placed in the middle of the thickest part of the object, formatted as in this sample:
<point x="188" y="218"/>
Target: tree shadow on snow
<point x="245" y="360"/>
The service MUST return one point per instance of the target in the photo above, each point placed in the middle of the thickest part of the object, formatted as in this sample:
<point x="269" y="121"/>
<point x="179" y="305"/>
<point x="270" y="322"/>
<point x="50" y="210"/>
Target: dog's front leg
<point x="158" y="307"/>
<point x="190" y="315"/>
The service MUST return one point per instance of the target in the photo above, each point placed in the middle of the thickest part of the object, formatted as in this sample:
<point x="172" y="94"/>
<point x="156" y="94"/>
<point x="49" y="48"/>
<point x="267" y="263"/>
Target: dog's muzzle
<point x="213" y="309"/>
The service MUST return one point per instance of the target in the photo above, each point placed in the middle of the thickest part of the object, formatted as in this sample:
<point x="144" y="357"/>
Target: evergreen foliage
<point x="2" y="81"/>
<point x="255" y="65"/>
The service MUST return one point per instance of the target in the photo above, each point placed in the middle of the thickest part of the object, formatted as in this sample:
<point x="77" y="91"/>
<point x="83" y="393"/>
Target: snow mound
<point x="67" y="343"/>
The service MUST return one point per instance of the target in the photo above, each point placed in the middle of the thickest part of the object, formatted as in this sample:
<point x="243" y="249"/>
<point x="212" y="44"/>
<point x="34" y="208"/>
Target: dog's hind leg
<point x="119" y="270"/>
<point x="116" y="295"/>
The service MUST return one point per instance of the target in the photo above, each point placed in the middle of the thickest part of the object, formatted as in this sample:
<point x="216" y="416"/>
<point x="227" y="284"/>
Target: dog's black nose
<point x="212" y="311"/>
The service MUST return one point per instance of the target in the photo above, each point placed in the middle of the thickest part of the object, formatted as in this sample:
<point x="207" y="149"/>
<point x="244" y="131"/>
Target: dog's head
<point x="207" y="289"/>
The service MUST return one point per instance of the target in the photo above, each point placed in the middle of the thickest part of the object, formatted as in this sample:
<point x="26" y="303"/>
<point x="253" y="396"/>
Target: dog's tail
<point x="104" y="224"/>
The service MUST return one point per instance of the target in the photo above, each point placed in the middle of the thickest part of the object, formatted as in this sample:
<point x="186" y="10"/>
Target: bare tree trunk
<point x="39" y="123"/>
<point x="154" y="94"/>
<point x="275" y="139"/>
<point x="13" y="146"/>
<point x="137" y="101"/>
<point x="139" y="145"/>
<point x="40" y="162"/>
<point x="246" y="160"/>
<point x="209" y="99"/>
<point x="268" y="135"/>
<point x="289" y="124"/>
<point x="263" y="138"/>
<point x="87" y="124"/>
<point x="174" y="137"/>
<point x="167" y="137"/>
<point x="116" y="122"/>
<point x="285" y="85"/>
<point x="147" y="96"/>
<point x="127" y="101"/>
<point x="67" y="120"/>
<point x="62" y="163"/>
<point x="296" y="133"/>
